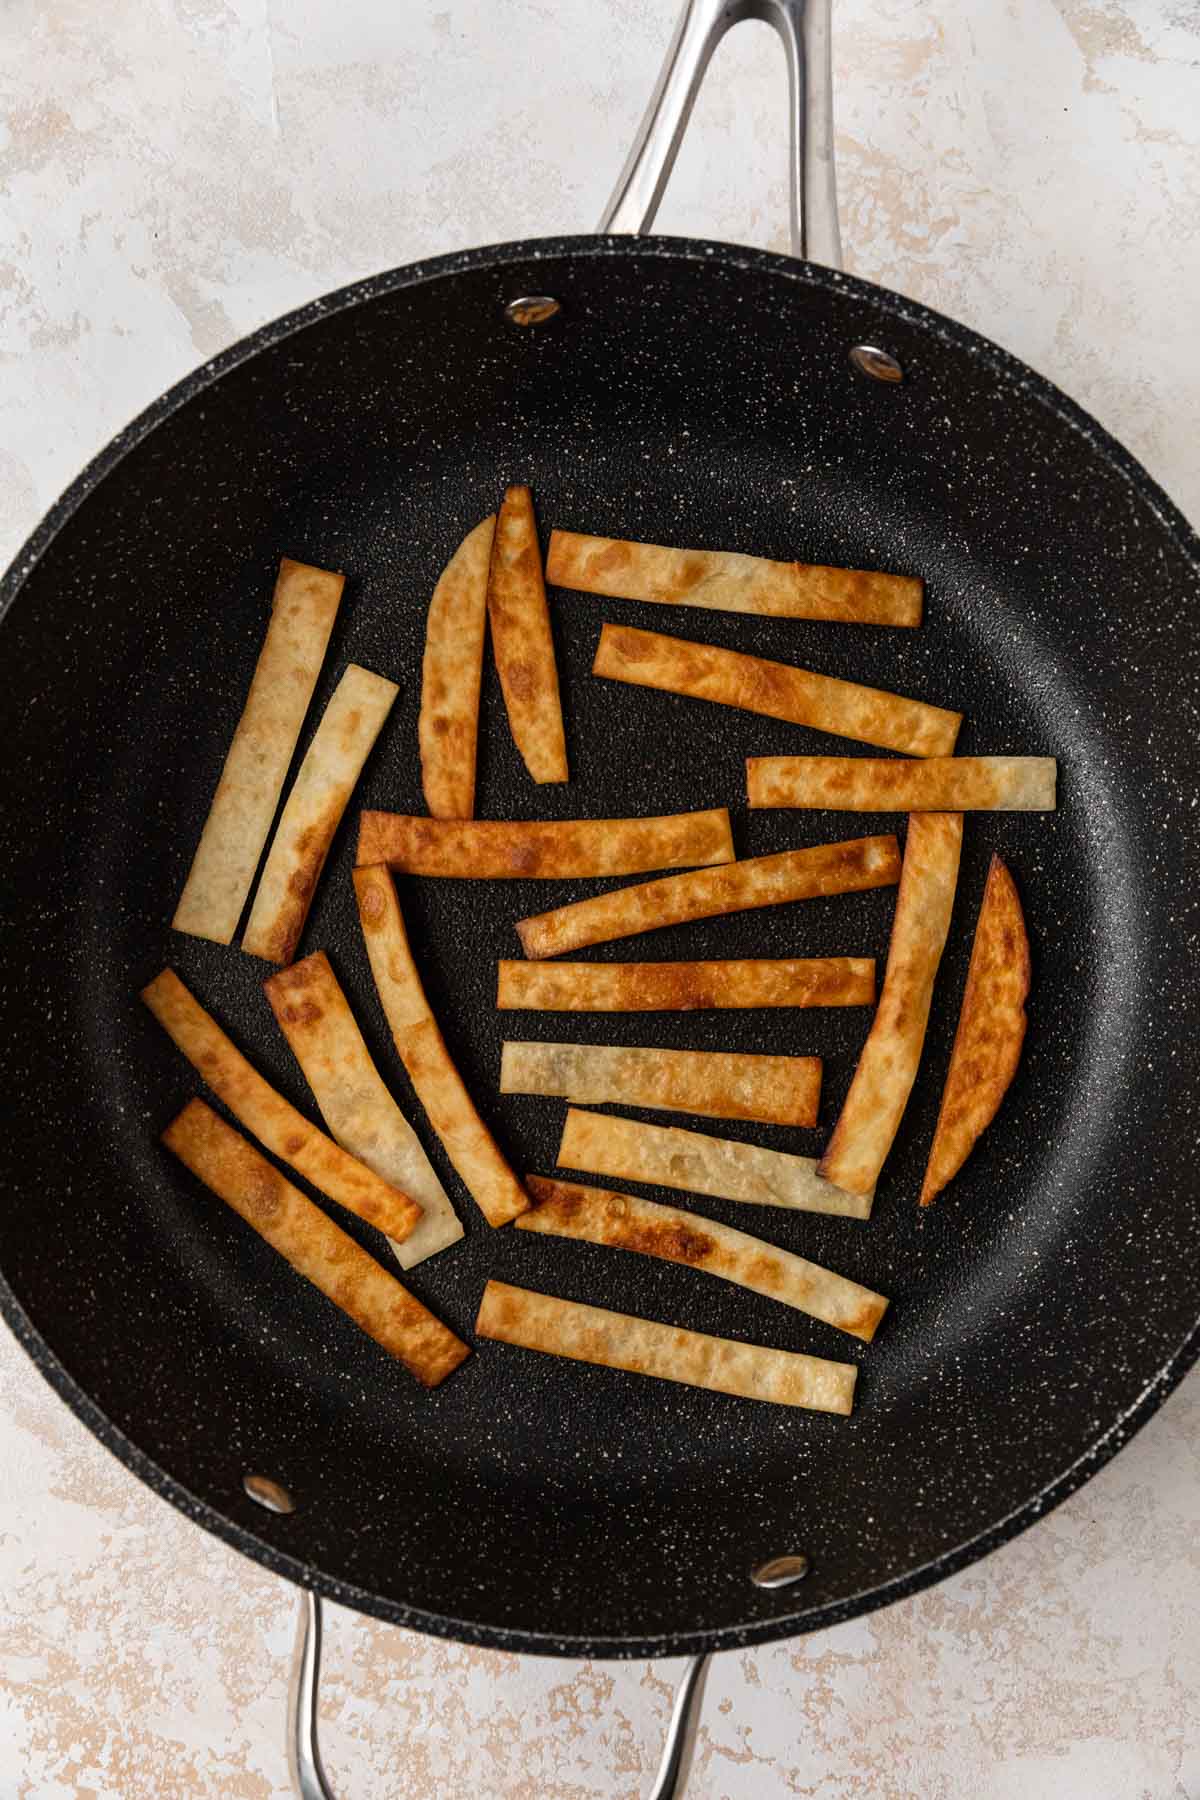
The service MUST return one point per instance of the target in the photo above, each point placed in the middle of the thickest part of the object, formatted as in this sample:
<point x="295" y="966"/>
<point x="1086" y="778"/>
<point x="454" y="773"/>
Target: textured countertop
<point x="175" y="172"/>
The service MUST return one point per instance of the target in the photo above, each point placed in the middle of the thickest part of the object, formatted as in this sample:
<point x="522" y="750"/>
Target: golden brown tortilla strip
<point x="713" y="1084"/>
<point x="888" y="1065"/>
<point x="439" y="1087"/>
<point x="315" y="1247"/>
<point x="315" y="1017"/>
<point x="303" y="609"/>
<point x="332" y="765"/>
<point x="591" y="1334"/>
<point x="451" y="672"/>
<point x="780" y="690"/>
<point x="685" y="986"/>
<point x="543" y="849"/>
<point x="625" y="1222"/>
<point x="669" y="1157"/>
<point x="929" y="784"/>
<point x="272" y="1119"/>
<point x="807" y="874"/>
<point x="522" y="643"/>
<point x="991" y="1030"/>
<point x="727" y="581"/>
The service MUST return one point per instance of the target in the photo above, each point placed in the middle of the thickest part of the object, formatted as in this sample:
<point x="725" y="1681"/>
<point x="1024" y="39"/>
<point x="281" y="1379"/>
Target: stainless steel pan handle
<point x="804" y="28"/>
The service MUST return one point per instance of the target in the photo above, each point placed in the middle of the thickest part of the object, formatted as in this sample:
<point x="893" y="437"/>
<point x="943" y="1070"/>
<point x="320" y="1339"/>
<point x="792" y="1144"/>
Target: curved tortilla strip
<point x="320" y="793"/>
<point x="303" y="609"/>
<point x="451" y="673"/>
<point x="438" y="1085"/>
<point x="315" y="1018"/>
<point x="522" y="644"/>
<point x="991" y="1031"/>
<point x="727" y="581"/>
<point x="685" y="986"/>
<point x="808" y="874"/>
<point x="625" y="1222"/>
<point x="600" y="1144"/>
<point x="891" y="1055"/>
<point x="543" y="849"/>
<point x="272" y="1119"/>
<point x="779" y="690"/>
<point x="315" y="1247"/>
<point x="713" y="1084"/>
<point x="928" y="784"/>
<point x="591" y="1334"/>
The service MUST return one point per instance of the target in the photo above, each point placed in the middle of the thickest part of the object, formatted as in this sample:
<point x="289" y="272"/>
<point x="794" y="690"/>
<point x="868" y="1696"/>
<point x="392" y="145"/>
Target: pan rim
<point x="516" y="1639"/>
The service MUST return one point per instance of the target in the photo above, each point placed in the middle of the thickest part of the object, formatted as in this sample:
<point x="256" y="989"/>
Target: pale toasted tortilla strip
<point x="522" y="644"/>
<point x="991" y="1031"/>
<point x="303" y="609"/>
<point x="807" y="874"/>
<point x="780" y="690"/>
<point x="927" y="784"/>
<point x="591" y="1334"/>
<point x="315" y="1018"/>
<point x="286" y="1133"/>
<point x="320" y="793"/>
<point x="438" y="1085"/>
<point x="451" y="673"/>
<point x="315" y="1247"/>
<point x="685" y="986"/>
<point x="543" y="849"/>
<point x="669" y="1157"/>
<point x="625" y="1222"/>
<point x="713" y="1084"/>
<point x="728" y="581"/>
<point x="891" y="1055"/>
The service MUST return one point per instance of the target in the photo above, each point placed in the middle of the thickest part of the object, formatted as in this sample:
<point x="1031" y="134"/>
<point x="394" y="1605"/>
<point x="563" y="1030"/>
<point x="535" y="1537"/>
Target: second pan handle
<point x="804" y="29"/>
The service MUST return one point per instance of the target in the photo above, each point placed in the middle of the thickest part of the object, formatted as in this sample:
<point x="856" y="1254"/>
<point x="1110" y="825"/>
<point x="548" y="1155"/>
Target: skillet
<point x="681" y="392"/>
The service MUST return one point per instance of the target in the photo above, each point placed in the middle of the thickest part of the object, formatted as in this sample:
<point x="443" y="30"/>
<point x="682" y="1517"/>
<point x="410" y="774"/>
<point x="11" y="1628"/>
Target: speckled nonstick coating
<point x="689" y="393"/>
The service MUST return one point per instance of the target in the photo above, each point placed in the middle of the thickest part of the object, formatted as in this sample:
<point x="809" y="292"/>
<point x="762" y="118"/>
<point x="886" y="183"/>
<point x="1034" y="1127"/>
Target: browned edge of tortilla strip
<point x="522" y="642"/>
<point x="315" y="1247"/>
<point x="917" y="784"/>
<point x="684" y="986"/>
<point x="543" y="849"/>
<point x="991" y="1030"/>
<point x="451" y="675"/>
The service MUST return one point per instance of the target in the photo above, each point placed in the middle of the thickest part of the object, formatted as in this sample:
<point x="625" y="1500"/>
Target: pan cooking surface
<point x="692" y="395"/>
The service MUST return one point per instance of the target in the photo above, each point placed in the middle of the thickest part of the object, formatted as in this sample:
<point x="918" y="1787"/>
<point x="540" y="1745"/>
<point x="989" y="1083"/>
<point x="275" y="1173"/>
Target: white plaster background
<point x="172" y="174"/>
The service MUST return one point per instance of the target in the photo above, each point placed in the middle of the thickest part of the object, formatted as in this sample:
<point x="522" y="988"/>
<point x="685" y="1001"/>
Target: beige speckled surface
<point x="174" y="172"/>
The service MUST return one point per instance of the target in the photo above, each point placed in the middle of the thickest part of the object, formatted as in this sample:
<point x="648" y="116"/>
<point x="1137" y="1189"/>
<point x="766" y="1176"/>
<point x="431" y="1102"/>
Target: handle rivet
<point x="531" y="309"/>
<point x="879" y="364"/>
<point x="780" y="1571"/>
<point x="271" y="1494"/>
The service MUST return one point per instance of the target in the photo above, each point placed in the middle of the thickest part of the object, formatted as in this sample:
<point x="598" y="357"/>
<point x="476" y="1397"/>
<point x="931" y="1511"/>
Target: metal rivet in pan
<point x="531" y="309"/>
<point x="780" y="1572"/>
<point x="879" y="364"/>
<point x="271" y="1494"/>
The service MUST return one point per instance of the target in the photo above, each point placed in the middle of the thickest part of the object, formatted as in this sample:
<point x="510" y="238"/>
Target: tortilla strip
<point x="522" y="644"/>
<point x="315" y="1247"/>
<point x="876" y="784"/>
<point x="727" y="581"/>
<point x="451" y="673"/>
<point x="991" y="1030"/>
<point x="543" y="849"/>
<point x="685" y="986"/>
<point x="332" y="765"/>
<point x="286" y="1133"/>
<point x="888" y="1065"/>
<point x="315" y="1018"/>
<point x="625" y="1222"/>
<point x="780" y="690"/>
<point x="439" y="1087"/>
<point x="600" y="1144"/>
<point x="713" y="1084"/>
<point x="303" y="609"/>
<point x="591" y="1334"/>
<point x="843" y="868"/>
